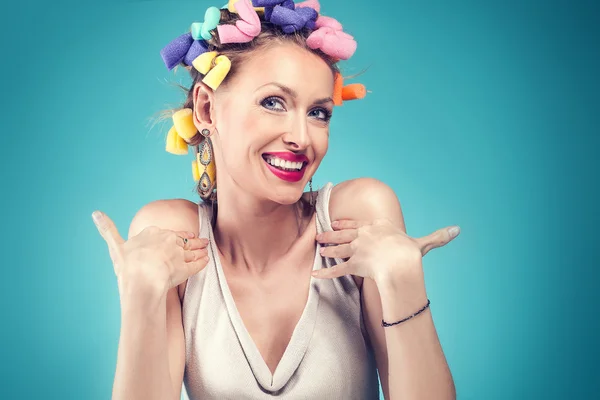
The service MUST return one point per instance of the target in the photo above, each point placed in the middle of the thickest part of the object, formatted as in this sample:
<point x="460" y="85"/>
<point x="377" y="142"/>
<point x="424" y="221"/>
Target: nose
<point x="297" y="136"/>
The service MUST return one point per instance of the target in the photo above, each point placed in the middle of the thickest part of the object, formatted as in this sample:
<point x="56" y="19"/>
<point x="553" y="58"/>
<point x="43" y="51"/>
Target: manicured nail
<point x="454" y="231"/>
<point x="335" y="224"/>
<point x="97" y="216"/>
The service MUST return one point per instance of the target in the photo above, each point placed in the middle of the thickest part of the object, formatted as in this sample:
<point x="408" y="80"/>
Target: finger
<point x="182" y="242"/>
<point x="337" y="237"/>
<point x="183" y="272"/>
<point x="437" y="239"/>
<point x="109" y="232"/>
<point x="193" y="255"/>
<point x="339" y="251"/>
<point x="197" y="243"/>
<point x="347" y="224"/>
<point x="194" y="267"/>
<point x="186" y="234"/>
<point x="188" y="241"/>
<point x="332" y="272"/>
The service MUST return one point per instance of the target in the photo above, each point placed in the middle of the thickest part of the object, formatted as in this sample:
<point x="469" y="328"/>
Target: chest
<point x="271" y="307"/>
<point x="226" y="357"/>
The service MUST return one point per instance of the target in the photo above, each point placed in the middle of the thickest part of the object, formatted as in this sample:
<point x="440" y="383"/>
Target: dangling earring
<point x="312" y="199"/>
<point x="203" y="167"/>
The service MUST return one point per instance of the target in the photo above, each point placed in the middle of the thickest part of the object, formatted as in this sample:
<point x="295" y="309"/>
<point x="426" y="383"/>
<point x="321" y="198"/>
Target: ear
<point x="204" y="110"/>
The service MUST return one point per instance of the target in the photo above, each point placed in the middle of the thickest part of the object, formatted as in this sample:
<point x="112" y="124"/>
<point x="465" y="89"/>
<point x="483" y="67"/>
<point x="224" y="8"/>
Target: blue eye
<point x="321" y="113"/>
<point x="271" y="102"/>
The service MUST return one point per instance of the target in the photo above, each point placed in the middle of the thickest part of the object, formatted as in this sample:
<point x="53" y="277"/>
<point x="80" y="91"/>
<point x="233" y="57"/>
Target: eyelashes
<point x="275" y="103"/>
<point x="272" y="100"/>
<point x="326" y="114"/>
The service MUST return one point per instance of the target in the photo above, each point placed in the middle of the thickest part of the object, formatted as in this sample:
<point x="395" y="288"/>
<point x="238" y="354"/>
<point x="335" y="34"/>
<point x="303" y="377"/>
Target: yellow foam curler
<point x="203" y="62"/>
<point x="231" y="7"/>
<point x="175" y="143"/>
<point x="195" y="170"/>
<point x="216" y="75"/>
<point x="183" y="121"/>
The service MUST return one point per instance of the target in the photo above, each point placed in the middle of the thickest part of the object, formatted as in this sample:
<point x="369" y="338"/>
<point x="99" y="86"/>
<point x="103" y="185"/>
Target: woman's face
<point x="272" y="123"/>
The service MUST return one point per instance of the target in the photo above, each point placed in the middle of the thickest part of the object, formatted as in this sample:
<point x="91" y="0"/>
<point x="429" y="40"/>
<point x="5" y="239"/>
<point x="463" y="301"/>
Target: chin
<point x="287" y="197"/>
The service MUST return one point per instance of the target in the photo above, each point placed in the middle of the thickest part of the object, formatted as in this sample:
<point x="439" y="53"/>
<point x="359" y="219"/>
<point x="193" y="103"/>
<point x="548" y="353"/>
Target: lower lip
<point x="289" y="176"/>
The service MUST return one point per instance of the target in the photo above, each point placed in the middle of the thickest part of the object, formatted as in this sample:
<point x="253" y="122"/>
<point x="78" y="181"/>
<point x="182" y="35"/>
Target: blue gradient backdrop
<point x="481" y="114"/>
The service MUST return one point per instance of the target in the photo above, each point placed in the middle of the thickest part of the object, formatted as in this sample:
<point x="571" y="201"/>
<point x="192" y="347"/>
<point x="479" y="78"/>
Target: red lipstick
<point x="289" y="176"/>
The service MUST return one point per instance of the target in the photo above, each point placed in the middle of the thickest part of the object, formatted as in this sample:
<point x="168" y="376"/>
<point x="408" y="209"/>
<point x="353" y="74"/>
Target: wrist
<point x="402" y="281"/>
<point x="402" y="294"/>
<point x="135" y="293"/>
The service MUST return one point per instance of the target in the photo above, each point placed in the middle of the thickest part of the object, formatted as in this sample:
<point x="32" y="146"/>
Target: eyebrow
<point x="293" y="93"/>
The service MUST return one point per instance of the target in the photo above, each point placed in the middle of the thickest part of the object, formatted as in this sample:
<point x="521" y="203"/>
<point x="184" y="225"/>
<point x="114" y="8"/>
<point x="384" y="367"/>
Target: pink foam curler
<point x="333" y="42"/>
<point x="245" y="29"/>
<point x="314" y="4"/>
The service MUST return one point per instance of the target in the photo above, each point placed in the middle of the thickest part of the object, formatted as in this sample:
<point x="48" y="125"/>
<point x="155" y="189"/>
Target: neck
<point x="253" y="235"/>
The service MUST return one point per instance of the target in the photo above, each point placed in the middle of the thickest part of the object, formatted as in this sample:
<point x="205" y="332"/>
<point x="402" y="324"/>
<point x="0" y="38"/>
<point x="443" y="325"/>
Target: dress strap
<point x="322" y="208"/>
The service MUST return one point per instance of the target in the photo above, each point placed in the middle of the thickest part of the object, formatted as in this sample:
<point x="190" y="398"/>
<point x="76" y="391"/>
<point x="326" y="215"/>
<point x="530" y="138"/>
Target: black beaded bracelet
<point x="387" y="324"/>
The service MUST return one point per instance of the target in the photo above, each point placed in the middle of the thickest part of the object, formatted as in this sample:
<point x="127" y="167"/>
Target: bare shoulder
<point x="172" y="214"/>
<point x="364" y="199"/>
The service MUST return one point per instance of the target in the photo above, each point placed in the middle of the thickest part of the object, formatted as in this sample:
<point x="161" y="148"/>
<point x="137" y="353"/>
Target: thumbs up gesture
<point x="156" y="259"/>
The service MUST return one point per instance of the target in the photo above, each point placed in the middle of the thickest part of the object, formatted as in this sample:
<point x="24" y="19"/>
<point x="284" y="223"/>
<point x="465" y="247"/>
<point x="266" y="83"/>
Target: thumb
<point x="439" y="238"/>
<point x="109" y="232"/>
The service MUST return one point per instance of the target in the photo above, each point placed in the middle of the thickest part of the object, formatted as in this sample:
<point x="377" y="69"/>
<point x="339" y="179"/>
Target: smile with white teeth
<point x="283" y="164"/>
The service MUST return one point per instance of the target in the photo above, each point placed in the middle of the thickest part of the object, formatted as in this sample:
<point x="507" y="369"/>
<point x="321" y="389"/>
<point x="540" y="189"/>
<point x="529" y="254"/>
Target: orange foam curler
<point x="338" y="84"/>
<point x="354" y="91"/>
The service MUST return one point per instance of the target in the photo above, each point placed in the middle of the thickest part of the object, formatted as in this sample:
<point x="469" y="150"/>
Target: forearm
<point x="142" y="362"/>
<point x="417" y="367"/>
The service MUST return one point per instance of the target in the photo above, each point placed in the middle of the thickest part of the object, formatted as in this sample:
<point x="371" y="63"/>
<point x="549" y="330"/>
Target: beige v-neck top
<point x="327" y="358"/>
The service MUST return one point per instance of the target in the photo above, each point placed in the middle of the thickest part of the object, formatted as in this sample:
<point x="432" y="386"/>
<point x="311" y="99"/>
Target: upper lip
<point x="289" y="156"/>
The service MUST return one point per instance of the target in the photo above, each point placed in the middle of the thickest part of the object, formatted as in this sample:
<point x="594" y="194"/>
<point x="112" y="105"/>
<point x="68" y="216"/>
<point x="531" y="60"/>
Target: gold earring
<point x="203" y="167"/>
<point x="312" y="201"/>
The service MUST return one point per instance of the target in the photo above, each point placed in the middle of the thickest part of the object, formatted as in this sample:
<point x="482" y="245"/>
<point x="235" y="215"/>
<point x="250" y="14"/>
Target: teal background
<point x="481" y="114"/>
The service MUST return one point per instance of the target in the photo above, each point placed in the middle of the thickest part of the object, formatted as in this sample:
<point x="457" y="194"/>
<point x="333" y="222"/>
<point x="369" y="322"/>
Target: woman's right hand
<point x="155" y="258"/>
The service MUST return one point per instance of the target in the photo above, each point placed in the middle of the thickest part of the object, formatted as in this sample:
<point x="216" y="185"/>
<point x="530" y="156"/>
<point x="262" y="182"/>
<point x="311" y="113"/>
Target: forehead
<point x="288" y="64"/>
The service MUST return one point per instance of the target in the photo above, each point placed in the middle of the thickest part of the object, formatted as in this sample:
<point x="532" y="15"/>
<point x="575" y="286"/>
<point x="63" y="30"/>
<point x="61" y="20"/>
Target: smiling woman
<point x="240" y="295"/>
<point x="258" y="95"/>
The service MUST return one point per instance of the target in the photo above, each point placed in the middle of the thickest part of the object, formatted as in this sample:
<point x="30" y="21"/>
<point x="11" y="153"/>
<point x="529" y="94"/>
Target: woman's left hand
<point x="377" y="250"/>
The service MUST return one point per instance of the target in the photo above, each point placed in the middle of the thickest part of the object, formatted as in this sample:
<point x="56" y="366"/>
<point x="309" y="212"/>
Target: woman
<point x="255" y="293"/>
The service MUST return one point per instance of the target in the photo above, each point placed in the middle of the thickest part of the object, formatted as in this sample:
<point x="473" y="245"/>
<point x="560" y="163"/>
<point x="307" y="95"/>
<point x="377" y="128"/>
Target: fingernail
<point x="319" y="236"/>
<point x="335" y="224"/>
<point x="454" y="231"/>
<point x="192" y="234"/>
<point x="96" y="216"/>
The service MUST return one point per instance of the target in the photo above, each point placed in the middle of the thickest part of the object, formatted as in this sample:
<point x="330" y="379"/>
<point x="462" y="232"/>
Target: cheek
<point x="242" y="135"/>
<point x="321" y="144"/>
